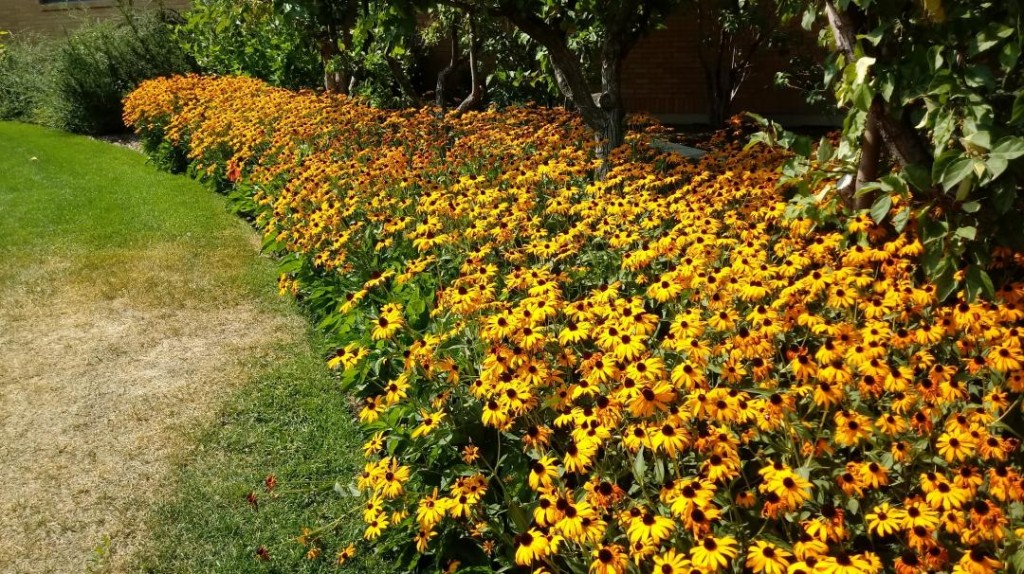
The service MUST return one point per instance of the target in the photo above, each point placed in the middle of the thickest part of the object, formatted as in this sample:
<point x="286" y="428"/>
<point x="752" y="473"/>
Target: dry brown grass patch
<point x="97" y="382"/>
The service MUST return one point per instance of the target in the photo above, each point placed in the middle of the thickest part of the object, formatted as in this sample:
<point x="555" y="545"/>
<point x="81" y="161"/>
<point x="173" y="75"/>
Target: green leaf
<point x="935" y="59"/>
<point x="880" y="208"/>
<point x="932" y="229"/>
<point x="988" y="38"/>
<point x="1018" y="110"/>
<point x="955" y="172"/>
<point x="971" y="206"/>
<point x="875" y="36"/>
<point x="862" y="96"/>
<point x="639" y="464"/>
<point x="996" y="166"/>
<point x="945" y="125"/>
<point x="894" y="184"/>
<point x="863" y="65"/>
<point x="918" y="177"/>
<point x="518" y="515"/>
<point x="968" y="232"/>
<point x="979" y="140"/>
<point x="853" y="505"/>
<point x="945" y="283"/>
<point x="899" y="221"/>
<point x="1005" y="150"/>
<point x="1010" y="147"/>
<point x="825" y="150"/>
<point x="977" y="282"/>
<point x="1009" y="55"/>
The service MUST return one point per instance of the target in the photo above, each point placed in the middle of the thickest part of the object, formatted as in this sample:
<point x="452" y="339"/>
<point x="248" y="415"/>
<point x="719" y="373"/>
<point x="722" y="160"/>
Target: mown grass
<point x="80" y="214"/>
<point x="290" y="422"/>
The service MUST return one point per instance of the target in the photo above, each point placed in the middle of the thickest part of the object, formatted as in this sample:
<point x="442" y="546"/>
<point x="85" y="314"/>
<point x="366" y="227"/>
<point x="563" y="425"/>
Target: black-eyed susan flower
<point x="884" y="520"/>
<point x="649" y="527"/>
<point x="712" y="554"/>
<point x="428" y="422"/>
<point x="388" y="322"/>
<point x="531" y="546"/>
<point x="609" y="559"/>
<point x="543" y="472"/>
<point x="767" y="558"/>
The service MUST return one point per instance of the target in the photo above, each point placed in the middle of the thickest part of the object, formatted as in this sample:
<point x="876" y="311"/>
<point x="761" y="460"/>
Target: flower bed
<point x="659" y="370"/>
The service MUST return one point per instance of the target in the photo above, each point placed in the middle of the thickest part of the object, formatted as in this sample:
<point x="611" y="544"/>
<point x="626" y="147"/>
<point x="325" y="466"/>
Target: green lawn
<point x="87" y="225"/>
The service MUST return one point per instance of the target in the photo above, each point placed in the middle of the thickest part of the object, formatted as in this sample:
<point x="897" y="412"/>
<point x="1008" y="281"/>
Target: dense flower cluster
<point x="657" y="371"/>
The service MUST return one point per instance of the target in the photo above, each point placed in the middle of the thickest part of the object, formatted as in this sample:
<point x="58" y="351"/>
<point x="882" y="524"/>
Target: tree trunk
<point x="476" y="92"/>
<point x="610" y="103"/>
<point x="901" y="139"/>
<point x="603" y="112"/>
<point x="334" y="37"/>
<point x="716" y="99"/>
<point x="870" y="156"/>
<point x="442" y="76"/>
<point x="328" y="51"/>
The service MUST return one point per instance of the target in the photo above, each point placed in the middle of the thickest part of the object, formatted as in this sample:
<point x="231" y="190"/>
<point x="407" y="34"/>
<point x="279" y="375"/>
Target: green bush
<point x="253" y="39"/>
<point x="24" y="78"/>
<point x="76" y="83"/>
<point x="104" y="60"/>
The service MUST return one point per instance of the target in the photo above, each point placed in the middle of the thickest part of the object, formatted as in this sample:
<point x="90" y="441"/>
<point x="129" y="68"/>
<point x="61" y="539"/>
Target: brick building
<point x="54" y="17"/>
<point x="662" y="75"/>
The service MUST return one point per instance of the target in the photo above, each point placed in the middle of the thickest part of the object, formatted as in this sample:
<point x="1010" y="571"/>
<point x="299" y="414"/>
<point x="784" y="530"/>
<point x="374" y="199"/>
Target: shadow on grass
<point x="291" y="421"/>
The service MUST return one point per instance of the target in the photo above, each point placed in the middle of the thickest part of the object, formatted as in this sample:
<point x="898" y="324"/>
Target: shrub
<point x="102" y="61"/>
<point x="24" y="80"/>
<point x="77" y="83"/>
<point x="659" y="369"/>
<point x="251" y="38"/>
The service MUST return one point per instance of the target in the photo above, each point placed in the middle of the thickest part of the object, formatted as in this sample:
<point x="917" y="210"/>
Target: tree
<point x="382" y="44"/>
<point x="330" y="23"/>
<point x="459" y="27"/>
<point x="250" y="37"/>
<point x="731" y="33"/>
<point x="586" y="43"/>
<point x="934" y="96"/>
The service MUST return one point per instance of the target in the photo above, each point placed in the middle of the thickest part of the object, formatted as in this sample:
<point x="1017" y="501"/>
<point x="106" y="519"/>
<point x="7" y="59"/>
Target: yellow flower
<point x="542" y="472"/>
<point x="766" y="558"/>
<point x="388" y="322"/>
<point x="609" y="559"/>
<point x="423" y="538"/>
<point x="649" y="527"/>
<point x="884" y="520"/>
<point x="530" y="547"/>
<point x="345" y="554"/>
<point x="375" y="527"/>
<point x="713" y="554"/>
<point x="792" y="488"/>
<point x="428" y="422"/>
<point x="955" y="448"/>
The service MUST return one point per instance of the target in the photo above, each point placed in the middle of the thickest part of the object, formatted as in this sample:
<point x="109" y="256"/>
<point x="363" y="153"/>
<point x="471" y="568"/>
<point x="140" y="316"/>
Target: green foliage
<point x="948" y="74"/>
<point x="383" y="52"/>
<point x="77" y="82"/>
<point x="95" y="67"/>
<point x="24" y="82"/>
<point x="250" y="38"/>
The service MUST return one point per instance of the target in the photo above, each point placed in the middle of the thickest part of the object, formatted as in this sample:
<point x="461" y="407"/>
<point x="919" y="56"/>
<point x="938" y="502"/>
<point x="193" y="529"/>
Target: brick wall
<point x="53" y="19"/>
<point x="663" y="76"/>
